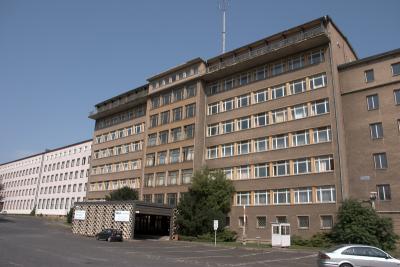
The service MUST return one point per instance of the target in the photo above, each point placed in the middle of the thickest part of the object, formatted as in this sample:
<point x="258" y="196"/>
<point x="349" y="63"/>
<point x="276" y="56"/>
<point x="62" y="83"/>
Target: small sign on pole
<point x="215" y="232"/>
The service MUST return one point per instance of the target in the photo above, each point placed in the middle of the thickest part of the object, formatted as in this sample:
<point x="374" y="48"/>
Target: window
<point x="162" y="158"/>
<point x="228" y="84"/>
<point x="190" y="91"/>
<point x="278" y="92"/>
<point x="303" y="222"/>
<point x="163" y="137"/>
<point x="159" y="198"/>
<point x="299" y="112"/>
<point x="260" y="96"/>
<point x="243" y="101"/>
<point x="372" y="102"/>
<point x="281" y="196"/>
<point x="380" y="161"/>
<point x="166" y="99"/>
<point x="176" y="134"/>
<point x="244" y="79"/>
<point x="322" y="135"/>
<point x="244" y="147"/>
<point x="261" y="170"/>
<point x="187" y="176"/>
<point x="320" y="107"/>
<point x="212" y="152"/>
<point x="261" y="73"/>
<point x="178" y="94"/>
<point x="213" y="129"/>
<point x="244" y="123"/>
<point x="261" y="144"/>
<point x="298" y="87"/>
<point x="397" y="96"/>
<point x="213" y="108"/>
<point x="242" y="221"/>
<point x="164" y="117"/>
<point x="242" y="198"/>
<point x="189" y="131"/>
<point x="174" y="155"/>
<point x="396" y="69"/>
<point x="228" y="104"/>
<point x="278" y="68"/>
<point x="148" y="180"/>
<point x="303" y="195"/>
<point x="324" y="164"/>
<point x="150" y="159"/>
<point x="188" y="153"/>
<point x="279" y="115"/>
<point x="228" y="173"/>
<point x="152" y="139"/>
<point x="316" y="57"/>
<point x="261" y="119"/>
<point x="326" y="194"/>
<point x="147" y="198"/>
<point x="160" y="179"/>
<point x="301" y="138"/>
<point x="369" y="76"/>
<point x="261" y="197"/>
<point x="227" y="150"/>
<point x="261" y="221"/>
<point x="190" y="110"/>
<point x="280" y="141"/>
<point x="302" y="166"/>
<point x="296" y="63"/>
<point x="153" y="120"/>
<point x="326" y="221"/>
<point x="172" y="199"/>
<point x="228" y="126"/>
<point x="383" y="192"/>
<point x="155" y="102"/>
<point x="281" y="168"/>
<point x="177" y="114"/>
<point x="318" y="81"/>
<point x="243" y="172"/>
<point x="376" y="130"/>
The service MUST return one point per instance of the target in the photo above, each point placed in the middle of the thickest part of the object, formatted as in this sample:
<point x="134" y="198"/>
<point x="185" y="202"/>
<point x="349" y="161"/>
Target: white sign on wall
<point x="121" y="216"/>
<point x="80" y="215"/>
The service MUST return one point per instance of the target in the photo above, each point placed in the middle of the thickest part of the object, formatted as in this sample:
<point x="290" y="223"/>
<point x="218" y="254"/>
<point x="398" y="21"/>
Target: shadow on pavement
<point x="5" y="220"/>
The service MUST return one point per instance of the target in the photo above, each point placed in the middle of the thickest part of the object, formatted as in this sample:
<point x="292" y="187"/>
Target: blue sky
<point x="59" y="58"/>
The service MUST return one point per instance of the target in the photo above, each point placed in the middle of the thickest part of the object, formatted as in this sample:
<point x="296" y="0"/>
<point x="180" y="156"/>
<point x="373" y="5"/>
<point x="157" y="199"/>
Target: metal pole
<point x="223" y="30"/>
<point x="244" y="225"/>
<point x="215" y="238"/>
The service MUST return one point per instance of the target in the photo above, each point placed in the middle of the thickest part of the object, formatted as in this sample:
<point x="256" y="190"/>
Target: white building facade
<point x="21" y="180"/>
<point x="51" y="181"/>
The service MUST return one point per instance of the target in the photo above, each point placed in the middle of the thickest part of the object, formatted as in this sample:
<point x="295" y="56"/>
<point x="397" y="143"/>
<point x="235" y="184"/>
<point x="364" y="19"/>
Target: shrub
<point x="69" y="215"/>
<point x="33" y="212"/>
<point x="124" y="193"/>
<point x="317" y="240"/>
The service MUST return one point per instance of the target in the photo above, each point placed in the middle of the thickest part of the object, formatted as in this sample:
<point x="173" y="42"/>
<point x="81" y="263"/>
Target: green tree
<point x="362" y="225"/>
<point x="70" y="214"/>
<point x="124" y="193"/>
<point x="209" y="198"/>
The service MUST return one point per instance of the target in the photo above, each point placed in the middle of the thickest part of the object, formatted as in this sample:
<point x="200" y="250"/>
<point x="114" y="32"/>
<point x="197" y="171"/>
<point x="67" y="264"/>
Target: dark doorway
<point x="151" y="225"/>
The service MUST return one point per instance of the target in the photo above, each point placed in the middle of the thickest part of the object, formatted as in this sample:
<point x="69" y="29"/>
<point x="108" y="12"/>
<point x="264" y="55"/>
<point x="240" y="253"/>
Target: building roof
<point x="135" y="90"/>
<point x="369" y="59"/>
<point x="176" y="68"/>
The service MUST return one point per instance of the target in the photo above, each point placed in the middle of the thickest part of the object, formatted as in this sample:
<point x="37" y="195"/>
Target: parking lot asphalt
<point x="32" y="241"/>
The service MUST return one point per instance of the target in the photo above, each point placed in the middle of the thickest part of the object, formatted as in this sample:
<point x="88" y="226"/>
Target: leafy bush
<point x="362" y="225"/>
<point x="69" y="215"/>
<point x="225" y="235"/>
<point x="124" y="193"/>
<point x="33" y="212"/>
<point x="317" y="240"/>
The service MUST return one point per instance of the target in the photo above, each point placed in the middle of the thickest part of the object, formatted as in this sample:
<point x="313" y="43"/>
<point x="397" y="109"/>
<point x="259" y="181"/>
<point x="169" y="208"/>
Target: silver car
<point x="356" y="256"/>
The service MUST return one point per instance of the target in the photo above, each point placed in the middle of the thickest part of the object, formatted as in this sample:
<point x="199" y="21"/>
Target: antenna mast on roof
<point x="223" y="6"/>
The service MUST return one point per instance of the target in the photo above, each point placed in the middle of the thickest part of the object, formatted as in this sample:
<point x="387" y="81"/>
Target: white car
<point x="356" y="256"/>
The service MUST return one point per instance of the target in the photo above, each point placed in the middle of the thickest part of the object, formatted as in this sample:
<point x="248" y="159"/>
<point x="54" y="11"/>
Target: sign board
<point x="365" y="178"/>
<point x="215" y="225"/>
<point x="121" y="216"/>
<point x="80" y="215"/>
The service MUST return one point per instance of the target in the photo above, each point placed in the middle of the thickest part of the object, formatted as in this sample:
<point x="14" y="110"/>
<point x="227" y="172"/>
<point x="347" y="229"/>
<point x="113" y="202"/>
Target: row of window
<point x="177" y="115"/>
<point x="296" y="112"/>
<point x="303" y="221"/>
<point x="183" y="74"/>
<point x="169" y="198"/>
<point x="295" y="87"/>
<point x="114" y="185"/>
<point x="137" y="112"/>
<point x="57" y="203"/>
<point x="117" y="167"/>
<point x="65" y="176"/>
<point x="171" y="156"/>
<point x="63" y="189"/>
<point x="66" y="164"/>
<point x="120" y="133"/>
<point x="373" y="100"/>
<point x="20" y="173"/>
<point x="21" y="182"/>
<point x="173" y="96"/>
<point x="281" y="168"/>
<point x="170" y="178"/>
<point x="67" y="152"/>
<point x="303" y="195"/>
<point x="170" y="136"/>
<point x="266" y="71"/>
<point x="295" y="139"/>
<point x="18" y="193"/>
<point x="118" y="150"/>
<point x="370" y="77"/>
<point x="26" y="204"/>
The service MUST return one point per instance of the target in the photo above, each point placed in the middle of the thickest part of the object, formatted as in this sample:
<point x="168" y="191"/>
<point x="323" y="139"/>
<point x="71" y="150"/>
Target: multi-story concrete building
<point x="272" y="115"/>
<point x="50" y="181"/>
